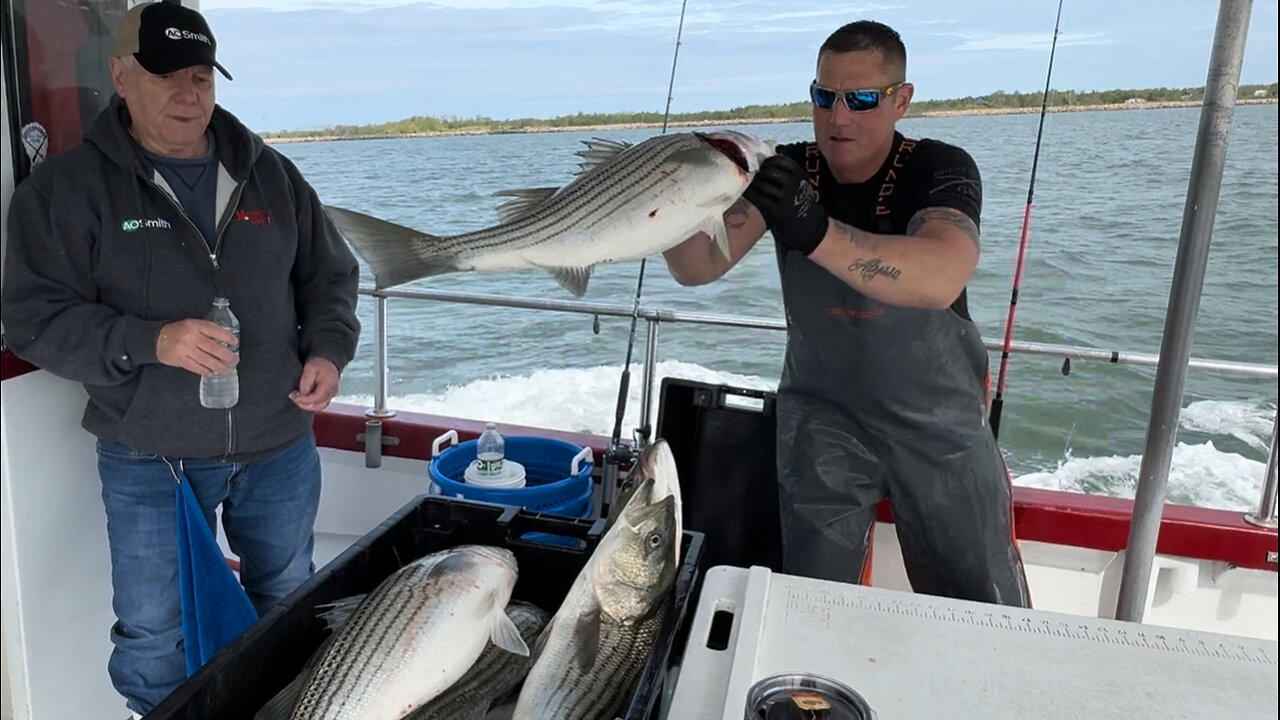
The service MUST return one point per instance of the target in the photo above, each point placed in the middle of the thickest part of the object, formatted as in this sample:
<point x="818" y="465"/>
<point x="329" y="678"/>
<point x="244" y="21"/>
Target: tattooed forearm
<point x="954" y="218"/>
<point x="735" y="218"/>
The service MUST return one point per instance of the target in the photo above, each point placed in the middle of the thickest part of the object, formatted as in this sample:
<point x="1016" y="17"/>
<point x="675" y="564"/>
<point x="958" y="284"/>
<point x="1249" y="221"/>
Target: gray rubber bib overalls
<point x="882" y="401"/>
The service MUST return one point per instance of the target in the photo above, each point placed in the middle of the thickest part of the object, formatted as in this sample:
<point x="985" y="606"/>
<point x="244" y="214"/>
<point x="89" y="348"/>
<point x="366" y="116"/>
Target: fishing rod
<point x="675" y="59"/>
<point x="997" y="404"/>
<point x="617" y="453"/>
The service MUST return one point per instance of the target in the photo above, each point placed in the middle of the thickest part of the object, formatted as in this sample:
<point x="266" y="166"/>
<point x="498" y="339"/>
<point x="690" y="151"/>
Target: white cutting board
<point x="916" y="656"/>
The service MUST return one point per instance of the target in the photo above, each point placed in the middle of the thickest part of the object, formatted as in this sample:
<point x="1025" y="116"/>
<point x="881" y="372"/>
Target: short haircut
<point x="868" y="35"/>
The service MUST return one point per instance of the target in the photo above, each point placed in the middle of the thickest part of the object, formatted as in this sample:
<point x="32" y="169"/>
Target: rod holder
<point x="373" y="440"/>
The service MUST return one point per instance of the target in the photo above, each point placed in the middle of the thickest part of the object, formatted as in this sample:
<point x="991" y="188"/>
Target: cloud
<point x="363" y="5"/>
<point x="625" y="17"/>
<point x="378" y="60"/>
<point x="294" y="5"/>
<point x="987" y="41"/>
<point x="842" y="12"/>
<point x="596" y="16"/>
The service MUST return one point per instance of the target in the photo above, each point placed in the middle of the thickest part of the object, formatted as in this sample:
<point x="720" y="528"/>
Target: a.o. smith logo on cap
<point x="174" y="33"/>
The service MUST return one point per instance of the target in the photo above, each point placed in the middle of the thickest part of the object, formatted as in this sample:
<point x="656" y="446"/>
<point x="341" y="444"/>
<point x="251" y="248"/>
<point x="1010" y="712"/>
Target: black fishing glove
<point x="782" y="194"/>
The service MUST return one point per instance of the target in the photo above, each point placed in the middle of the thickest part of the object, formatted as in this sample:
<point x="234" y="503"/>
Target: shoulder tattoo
<point x="950" y="216"/>
<point x="736" y="216"/>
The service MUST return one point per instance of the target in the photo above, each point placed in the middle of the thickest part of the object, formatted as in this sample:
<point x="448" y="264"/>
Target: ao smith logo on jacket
<point x="174" y="33"/>
<point x="156" y="224"/>
<point x="255" y="218"/>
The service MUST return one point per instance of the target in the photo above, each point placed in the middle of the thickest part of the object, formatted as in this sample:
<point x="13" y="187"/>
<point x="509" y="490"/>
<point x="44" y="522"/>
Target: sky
<point x="305" y="64"/>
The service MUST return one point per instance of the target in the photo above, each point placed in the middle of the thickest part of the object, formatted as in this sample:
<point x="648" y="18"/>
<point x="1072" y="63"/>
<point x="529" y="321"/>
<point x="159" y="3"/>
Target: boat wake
<point x="1202" y="473"/>
<point x="539" y="399"/>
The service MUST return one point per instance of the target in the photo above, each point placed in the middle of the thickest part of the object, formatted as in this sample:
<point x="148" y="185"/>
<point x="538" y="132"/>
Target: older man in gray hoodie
<point x="117" y="249"/>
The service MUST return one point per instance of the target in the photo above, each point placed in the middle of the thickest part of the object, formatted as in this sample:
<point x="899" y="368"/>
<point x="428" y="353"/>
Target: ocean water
<point x="1109" y="200"/>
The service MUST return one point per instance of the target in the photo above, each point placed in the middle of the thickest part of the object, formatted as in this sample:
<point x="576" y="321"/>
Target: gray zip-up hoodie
<point x="100" y="256"/>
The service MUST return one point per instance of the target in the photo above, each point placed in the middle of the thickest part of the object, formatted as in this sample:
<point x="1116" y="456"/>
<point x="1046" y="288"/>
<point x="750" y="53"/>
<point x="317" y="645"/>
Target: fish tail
<point x="280" y="707"/>
<point x="396" y="254"/>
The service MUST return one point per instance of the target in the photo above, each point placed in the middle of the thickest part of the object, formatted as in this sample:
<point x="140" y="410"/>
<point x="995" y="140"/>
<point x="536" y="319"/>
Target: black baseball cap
<point x="165" y="37"/>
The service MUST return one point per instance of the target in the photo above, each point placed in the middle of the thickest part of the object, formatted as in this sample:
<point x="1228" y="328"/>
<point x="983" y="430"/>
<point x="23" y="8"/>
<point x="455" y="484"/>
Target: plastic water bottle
<point x="222" y="391"/>
<point x="489" y="451"/>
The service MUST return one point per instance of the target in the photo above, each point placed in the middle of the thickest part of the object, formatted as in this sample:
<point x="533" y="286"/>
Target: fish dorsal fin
<point x="573" y="279"/>
<point x="523" y="202"/>
<point x="599" y="151"/>
<point x="339" y="611"/>
<point x="586" y="637"/>
<point x="503" y="631"/>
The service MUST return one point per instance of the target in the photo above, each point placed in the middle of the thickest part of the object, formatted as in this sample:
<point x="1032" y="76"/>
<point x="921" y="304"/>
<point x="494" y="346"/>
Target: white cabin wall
<point x="56" y="574"/>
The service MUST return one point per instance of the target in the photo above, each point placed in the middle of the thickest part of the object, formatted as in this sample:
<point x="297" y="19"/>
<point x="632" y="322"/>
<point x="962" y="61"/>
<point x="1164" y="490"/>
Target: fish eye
<point x="654" y="539"/>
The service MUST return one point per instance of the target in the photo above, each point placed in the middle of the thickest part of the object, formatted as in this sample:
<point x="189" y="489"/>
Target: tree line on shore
<point x="423" y="125"/>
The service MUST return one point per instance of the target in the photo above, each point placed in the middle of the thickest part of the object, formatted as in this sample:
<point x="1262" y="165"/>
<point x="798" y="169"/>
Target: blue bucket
<point x="557" y="477"/>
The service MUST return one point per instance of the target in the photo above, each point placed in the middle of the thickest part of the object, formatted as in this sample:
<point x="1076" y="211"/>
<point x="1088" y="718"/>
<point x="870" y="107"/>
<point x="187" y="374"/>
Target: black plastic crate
<point x="723" y="442"/>
<point x="243" y="676"/>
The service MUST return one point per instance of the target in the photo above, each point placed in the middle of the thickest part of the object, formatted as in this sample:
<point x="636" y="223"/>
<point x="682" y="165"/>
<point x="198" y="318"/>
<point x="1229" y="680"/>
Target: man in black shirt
<point x="885" y="381"/>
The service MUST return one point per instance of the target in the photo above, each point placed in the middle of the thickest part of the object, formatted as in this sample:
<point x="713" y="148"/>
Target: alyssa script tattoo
<point x="872" y="268"/>
<point x="954" y="218"/>
<point x="868" y="268"/>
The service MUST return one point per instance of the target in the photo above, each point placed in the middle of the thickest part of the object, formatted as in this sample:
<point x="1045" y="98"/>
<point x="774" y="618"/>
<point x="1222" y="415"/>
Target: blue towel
<point x="215" y="608"/>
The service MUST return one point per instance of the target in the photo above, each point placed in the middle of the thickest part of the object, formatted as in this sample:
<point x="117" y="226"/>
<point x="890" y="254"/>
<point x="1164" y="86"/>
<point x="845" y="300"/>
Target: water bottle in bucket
<point x="489" y="452"/>
<point x="491" y="468"/>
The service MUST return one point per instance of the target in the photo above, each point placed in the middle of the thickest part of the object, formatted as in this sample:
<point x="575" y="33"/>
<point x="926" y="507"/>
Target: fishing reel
<point x="617" y="456"/>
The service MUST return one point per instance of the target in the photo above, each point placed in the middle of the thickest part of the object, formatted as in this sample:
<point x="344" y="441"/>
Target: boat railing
<point x="655" y="317"/>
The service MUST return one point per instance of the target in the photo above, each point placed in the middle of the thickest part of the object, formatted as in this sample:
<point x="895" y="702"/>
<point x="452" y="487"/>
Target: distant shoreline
<point x="1152" y="105"/>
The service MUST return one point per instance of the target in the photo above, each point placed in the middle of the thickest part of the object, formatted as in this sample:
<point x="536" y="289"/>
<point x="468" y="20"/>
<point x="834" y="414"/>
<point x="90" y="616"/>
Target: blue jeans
<point x="268" y="514"/>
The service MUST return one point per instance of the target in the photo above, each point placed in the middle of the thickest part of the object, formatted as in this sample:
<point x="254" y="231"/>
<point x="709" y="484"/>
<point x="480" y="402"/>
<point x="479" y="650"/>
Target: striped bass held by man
<point x="628" y="202"/>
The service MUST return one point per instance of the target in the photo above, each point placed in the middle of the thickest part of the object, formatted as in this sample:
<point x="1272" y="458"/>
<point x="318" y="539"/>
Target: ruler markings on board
<point x="1138" y="638"/>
